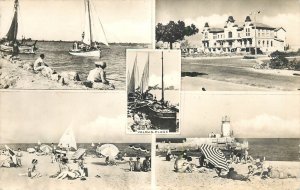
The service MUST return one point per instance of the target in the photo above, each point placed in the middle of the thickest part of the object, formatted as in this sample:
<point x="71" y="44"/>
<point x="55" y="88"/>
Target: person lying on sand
<point x="231" y="174"/>
<point x="279" y="174"/>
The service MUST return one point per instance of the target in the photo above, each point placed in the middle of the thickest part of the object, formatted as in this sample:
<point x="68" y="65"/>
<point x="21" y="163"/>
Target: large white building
<point x="241" y="37"/>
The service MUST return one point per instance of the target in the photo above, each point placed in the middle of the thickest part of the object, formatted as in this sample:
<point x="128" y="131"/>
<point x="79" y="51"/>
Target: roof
<point x="276" y="29"/>
<point x="216" y="30"/>
<point x="261" y="25"/>
<point x="278" y="40"/>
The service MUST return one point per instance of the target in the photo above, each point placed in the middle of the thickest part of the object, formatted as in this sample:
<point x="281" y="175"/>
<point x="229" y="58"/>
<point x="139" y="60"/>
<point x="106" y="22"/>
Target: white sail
<point x="68" y="139"/>
<point x="144" y="84"/>
<point x="93" y="29"/>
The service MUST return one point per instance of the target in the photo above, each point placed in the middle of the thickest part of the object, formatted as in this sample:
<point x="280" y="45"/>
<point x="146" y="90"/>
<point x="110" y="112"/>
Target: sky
<point x="273" y="12"/>
<point x="29" y="116"/>
<point x="64" y="19"/>
<point x="252" y="115"/>
<point x="172" y="66"/>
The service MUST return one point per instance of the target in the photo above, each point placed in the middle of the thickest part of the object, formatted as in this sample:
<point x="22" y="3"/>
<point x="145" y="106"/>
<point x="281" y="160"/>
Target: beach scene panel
<point x="232" y="45"/>
<point x="236" y="141"/>
<point x="49" y="147"/>
<point x="82" y="48"/>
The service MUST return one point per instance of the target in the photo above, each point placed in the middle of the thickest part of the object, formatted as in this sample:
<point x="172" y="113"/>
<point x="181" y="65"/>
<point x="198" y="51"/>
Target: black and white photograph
<point x="70" y="44"/>
<point x="153" y="91"/>
<point x="51" y="146"/>
<point x="234" y="141"/>
<point x="233" y="45"/>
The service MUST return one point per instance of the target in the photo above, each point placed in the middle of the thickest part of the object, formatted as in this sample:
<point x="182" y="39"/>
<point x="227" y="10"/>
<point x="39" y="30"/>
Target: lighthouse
<point x="225" y="127"/>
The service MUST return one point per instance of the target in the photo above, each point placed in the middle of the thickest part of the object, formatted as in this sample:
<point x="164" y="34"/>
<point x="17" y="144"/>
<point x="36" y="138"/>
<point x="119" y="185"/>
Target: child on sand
<point x="131" y="164"/>
<point x="33" y="171"/>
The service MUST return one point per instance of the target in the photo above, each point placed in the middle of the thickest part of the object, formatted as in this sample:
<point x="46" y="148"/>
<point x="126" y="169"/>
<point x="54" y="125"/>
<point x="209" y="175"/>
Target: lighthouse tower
<point x="225" y="127"/>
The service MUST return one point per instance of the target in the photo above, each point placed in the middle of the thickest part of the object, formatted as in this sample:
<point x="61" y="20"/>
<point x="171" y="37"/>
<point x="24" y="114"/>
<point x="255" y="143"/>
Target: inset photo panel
<point x="153" y="91"/>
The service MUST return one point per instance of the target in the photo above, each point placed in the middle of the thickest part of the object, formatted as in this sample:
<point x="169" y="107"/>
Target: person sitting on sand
<point x="97" y="75"/>
<point x="146" y="164"/>
<point x="65" y="171"/>
<point x="235" y="176"/>
<point x="39" y="64"/>
<point x="251" y="170"/>
<point x="33" y="171"/>
<point x="138" y="165"/>
<point x="19" y="155"/>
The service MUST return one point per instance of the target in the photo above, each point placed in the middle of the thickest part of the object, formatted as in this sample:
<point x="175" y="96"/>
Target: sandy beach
<point x="168" y="179"/>
<point x="13" y="76"/>
<point x="112" y="177"/>
<point x="236" y="74"/>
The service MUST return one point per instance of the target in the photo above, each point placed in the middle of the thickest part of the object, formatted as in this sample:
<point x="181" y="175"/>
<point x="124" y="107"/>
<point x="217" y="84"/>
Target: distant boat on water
<point x="92" y="36"/>
<point x="8" y="42"/>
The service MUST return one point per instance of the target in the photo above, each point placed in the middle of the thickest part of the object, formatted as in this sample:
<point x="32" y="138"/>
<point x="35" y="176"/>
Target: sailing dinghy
<point x="11" y="36"/>
<point x="92" y="36"/>
<point x="67" y="140"/>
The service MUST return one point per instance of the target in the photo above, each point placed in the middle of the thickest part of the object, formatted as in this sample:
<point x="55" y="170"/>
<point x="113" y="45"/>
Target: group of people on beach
<point x="183" y="164"/>
<point x="139" y="166"/>
<point x="96" y="76"/>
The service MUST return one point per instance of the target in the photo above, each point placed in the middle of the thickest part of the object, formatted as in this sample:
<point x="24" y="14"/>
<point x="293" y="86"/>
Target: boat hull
<point x="22" y="49"/>
<point x="93" y="53"/>
<point x="164" y="121"/>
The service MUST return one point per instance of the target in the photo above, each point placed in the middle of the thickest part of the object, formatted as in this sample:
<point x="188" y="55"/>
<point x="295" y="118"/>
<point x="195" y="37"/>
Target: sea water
<point x="58" y="57"/>
<point x="123" y="147"/>
<point x="274" y="149"/>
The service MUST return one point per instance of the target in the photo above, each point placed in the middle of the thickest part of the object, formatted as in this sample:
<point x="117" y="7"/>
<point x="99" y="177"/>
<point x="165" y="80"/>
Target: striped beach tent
<point x="11" y="154"/>
<point x="215" y="156"/>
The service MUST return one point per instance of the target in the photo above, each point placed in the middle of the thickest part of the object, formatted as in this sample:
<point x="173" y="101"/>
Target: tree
<point x="173" y="31"/>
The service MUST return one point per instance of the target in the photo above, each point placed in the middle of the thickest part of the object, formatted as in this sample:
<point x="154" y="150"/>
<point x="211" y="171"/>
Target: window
<point x="205" y="35"/>
<point x="247" y="31"/>
<point x="215" y="36"/>
<point x="267" y="43"/>
<point x="229" y="34"/>
<point x="263" y="43"/>
<point x="271" y="43"/>
<point x="239" y="35"/>
<point x="259" y="42"/>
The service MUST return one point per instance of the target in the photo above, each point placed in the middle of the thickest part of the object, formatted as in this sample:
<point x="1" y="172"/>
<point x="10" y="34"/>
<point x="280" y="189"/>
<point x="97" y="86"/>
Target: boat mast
<point x="90" y="21"/>
<point x="162" y="78"/>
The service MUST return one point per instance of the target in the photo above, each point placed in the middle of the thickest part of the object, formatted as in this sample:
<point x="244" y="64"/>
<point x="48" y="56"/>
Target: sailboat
<point x="67" y="140"/>
<point x="160" y="113"/>
<point x="92" y="36"/>
<point x="139" y="99"/>
<point x="11" y="36"/>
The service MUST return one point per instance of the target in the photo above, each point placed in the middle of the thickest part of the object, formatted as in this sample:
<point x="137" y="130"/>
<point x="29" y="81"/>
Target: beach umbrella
<point x="31" y="150"/>
<point x="215" y="156"/>
<point x="11" y="154"/>
<point x="45" y="148"/>
<point x="108" y="150"/>
<point x="78" y="154"/>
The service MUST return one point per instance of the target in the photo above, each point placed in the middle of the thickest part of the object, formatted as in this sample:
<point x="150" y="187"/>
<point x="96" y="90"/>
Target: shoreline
<point x="19" y="74"/>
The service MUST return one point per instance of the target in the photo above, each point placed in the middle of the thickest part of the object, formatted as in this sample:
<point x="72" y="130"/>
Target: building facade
<point x="241" y="37"/>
